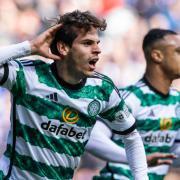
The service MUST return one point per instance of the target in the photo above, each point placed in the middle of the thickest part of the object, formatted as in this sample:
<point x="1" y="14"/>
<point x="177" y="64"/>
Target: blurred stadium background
<point x="122" y="58"/>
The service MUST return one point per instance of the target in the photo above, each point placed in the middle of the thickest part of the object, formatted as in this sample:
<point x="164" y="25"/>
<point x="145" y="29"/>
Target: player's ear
<point x="62" y="48"/>
<point x="157" y="55"/>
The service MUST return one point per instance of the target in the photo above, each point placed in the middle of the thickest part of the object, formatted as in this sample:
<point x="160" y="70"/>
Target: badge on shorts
<point x="177" y="110"/>
<point x="94" y="108"/>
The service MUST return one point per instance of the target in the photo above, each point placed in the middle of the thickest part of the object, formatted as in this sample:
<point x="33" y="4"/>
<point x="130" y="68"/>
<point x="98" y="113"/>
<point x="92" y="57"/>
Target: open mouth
<point x="92" y="64"/>
<point x="93" y="61"/>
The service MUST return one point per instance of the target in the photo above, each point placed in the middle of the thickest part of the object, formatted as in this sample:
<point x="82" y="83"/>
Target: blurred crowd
<point x="122" y="57"/>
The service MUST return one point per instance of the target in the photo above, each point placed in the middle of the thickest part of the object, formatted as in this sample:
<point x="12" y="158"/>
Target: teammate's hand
<point x="155" y="159"/>
<point x="41" y="44"/>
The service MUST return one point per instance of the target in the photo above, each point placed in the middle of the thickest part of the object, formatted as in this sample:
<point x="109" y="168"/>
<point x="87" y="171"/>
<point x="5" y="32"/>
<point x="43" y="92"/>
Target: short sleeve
<point x="117" y="115"/>
<point x="12" y="76"/>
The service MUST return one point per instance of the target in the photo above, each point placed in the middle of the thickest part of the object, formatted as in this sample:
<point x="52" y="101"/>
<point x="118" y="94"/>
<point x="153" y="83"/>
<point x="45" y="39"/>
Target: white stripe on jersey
<point x="124" y="93"/>
<point x="159" y="111"/>
<point x="94" y="81"/>
<point x="45" y="89"/>
<point x="4" y="164"/>
<point x="159" y="170"/>
<point x="121" y="177"/>
<point x="19" y="174"/>
<point x="45" y="155"/>
<point x="21" y="148"/>
<point x="13" y="67"/>
<point x="63" y="100"/>
<point x="146" y="90"/>
<point x="24" y="115"/>
<point x="121" y="125"/>
<point x="114" y="100"/>
<point x="115" y="176"/>
<point x="174" y="92"/>
<point x="133" y="103"/>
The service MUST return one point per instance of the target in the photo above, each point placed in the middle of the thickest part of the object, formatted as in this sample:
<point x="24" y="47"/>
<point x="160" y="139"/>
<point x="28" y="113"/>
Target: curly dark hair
<point x="71" y="24"/>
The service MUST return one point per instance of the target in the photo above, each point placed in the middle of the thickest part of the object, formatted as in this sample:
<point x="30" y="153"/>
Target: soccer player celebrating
<point x="155" y="106"/>
<point x="54" y="106"/>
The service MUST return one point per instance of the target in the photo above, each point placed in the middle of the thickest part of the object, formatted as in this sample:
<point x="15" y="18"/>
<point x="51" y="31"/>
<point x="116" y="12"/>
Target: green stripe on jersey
<point x="117" y="170"/>
<point x="46" y="124"/>
<point x="153" y="149"/>
<point x="51" y="109"/>
<point x="152" y="99"/>
<point x="19" y="88"/>
<point x="110" y="114"/>
<point x="154" y="124"/>
<point x="104" y="174"/>
<point x="157" y="119"/>
<point x="1" y="175"/>
<point x="41" y="169"/>
<point x="153" y="176"/>
<point x="90" y="92"/>
<point x="45" y="76"/>
<point x="51" y="143"/>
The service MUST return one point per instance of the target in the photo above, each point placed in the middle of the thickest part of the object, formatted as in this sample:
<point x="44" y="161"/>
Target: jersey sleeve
<point x="117" y="115"/>
<point x="131" y="101"/>
<point x="11" y="74"/>
<point x="12" y="77"/>
<point x="101" y="145"/>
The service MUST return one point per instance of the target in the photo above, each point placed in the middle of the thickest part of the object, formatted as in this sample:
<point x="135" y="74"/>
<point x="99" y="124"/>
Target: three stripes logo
<point x="151" y="114"/>
<point x="52" y="97"/>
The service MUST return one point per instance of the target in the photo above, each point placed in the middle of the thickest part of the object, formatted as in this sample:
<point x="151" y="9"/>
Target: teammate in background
<point x="54" y="106"/>
<point x="155" y="106"/>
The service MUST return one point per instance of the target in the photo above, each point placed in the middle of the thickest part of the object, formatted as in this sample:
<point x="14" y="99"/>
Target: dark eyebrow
<point x="90" y="40"/>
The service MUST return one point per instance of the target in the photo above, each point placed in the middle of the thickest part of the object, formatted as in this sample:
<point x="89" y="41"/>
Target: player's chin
<point x="177" y="75"/>
<point x="89" y="73"/>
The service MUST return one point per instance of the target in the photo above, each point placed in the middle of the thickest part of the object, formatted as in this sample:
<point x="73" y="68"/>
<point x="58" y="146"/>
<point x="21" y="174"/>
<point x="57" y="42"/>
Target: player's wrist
<point x="15" y="51"/>
<point x="33" y="47"/>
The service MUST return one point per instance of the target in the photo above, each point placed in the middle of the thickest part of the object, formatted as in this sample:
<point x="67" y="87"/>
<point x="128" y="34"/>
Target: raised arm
<point x="39" y="46"/>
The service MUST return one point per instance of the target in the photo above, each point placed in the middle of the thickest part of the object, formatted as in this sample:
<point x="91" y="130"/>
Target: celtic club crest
<point x="94" y="108"/>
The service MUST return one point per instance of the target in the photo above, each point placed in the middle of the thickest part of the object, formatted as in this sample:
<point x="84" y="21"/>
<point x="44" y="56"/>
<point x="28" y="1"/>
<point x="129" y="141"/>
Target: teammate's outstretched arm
<point x="101" y="145"/>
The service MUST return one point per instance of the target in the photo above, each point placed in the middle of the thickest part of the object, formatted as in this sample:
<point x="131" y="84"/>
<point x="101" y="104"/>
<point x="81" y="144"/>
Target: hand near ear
<point x="41" y="44"/>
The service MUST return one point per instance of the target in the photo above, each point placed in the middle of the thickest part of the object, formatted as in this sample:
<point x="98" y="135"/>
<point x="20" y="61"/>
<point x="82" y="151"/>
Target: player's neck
<point x="67" y="74"/>
<point x="158" y="81"/>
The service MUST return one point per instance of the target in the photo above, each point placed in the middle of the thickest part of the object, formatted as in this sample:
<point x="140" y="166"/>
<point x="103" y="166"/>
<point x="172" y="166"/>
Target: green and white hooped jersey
<point x="157" y="120"/>
<point x="51" y="121"/>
